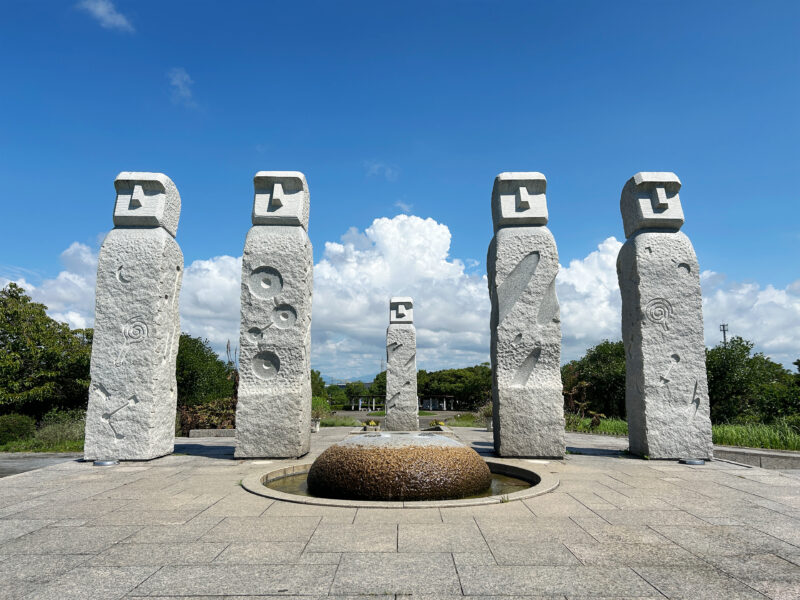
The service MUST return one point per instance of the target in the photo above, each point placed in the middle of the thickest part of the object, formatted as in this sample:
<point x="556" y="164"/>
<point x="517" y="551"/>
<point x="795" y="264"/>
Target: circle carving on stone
<point x="266" y="282"/>
<point x="284" y="316"/>
<point x="266" y="365"/>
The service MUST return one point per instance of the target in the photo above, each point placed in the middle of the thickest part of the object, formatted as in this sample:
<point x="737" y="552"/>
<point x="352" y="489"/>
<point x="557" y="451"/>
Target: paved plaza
<point x="616" y="527"/>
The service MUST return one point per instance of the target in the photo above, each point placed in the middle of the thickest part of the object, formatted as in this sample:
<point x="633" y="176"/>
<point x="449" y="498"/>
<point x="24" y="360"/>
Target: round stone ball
<point x="398" y="466"/>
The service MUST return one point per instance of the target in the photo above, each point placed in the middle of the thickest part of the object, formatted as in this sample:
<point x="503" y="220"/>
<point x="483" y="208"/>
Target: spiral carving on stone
<point x="135" y="330"/>
<point x="659" y="312"/>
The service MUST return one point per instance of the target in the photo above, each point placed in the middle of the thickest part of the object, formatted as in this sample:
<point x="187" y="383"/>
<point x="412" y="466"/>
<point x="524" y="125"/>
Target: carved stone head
<point x="281" y="198"/>
<point x="401" y="310"/>
<point x="146" y="200"/>
<point x="650" y="201"/>
<point x="519" y="199"/>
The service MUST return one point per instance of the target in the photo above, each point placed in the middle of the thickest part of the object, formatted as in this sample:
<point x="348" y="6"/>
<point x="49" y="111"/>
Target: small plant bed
<point x="339" y="422"/>
<point x="382" y="413"/>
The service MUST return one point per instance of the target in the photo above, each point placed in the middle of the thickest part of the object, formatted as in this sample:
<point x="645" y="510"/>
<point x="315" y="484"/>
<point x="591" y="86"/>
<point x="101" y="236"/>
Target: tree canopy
<point x="597" y="380"/>
<point x="202" y="376"/>
<point x="743" y="386"/>
<point x="43" y="363"/>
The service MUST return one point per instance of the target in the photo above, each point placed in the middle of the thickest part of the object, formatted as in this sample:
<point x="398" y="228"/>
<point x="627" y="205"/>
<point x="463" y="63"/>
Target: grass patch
<point x="775" y="436"/>
<point x="605" y="427"/>
<point x="465" y="420"/>
<point x="382" y="413"/>
<point x="35" y="445"/>
<point x="339" y="422"/>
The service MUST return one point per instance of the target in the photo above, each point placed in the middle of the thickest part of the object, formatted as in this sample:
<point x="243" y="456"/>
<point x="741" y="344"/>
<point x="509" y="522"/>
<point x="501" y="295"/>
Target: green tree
<point x="597" y="380"/>
<point x="43" y="363"/>
<point x="336" y="396"/>
<point x="202" y="376"/>
<point x="746" y="386"/>
<point x="378" y="385"/>
<point x="354" y="390"/>
<point x="317" y="384"/>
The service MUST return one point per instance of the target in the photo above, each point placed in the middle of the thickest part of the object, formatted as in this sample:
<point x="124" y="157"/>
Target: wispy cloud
<point x="105" y="13"/>
<point x="404" y="206"/>
<point x="181" y="87"/>
<point x="376" y="168"/>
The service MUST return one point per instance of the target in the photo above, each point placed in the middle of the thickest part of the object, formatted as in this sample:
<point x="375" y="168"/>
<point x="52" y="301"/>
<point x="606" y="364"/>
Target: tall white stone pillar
<point x="401" y="367"/>
<point x="666" y="392"/>
<point x="273" y="415"/>
<point x="525" y="324"/>
<point x="133" y="393"/>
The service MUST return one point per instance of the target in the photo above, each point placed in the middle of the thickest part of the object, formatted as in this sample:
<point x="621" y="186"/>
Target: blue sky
<point x="409" y="108"/>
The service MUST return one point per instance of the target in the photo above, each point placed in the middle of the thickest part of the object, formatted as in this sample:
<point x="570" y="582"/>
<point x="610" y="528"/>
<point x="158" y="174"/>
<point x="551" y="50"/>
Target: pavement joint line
<point x="485" y="541"/>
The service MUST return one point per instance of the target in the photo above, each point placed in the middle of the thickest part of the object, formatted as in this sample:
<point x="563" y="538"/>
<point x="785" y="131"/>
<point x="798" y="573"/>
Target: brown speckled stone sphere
<point x="393" y="466"/>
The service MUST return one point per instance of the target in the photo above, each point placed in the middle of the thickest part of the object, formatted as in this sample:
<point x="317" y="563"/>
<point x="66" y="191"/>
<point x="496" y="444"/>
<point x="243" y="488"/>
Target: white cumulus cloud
<point x="105" y="13"/>
<point x="410" y="256"/>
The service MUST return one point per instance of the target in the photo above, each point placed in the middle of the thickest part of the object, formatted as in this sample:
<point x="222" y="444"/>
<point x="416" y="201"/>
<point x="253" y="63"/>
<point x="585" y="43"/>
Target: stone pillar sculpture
<point x="273" y="415"/>
<point x="133" y="393"/>
<point x="525" y="323"/>
<point x="401" y="367"/>
<point x="666" y="392"/>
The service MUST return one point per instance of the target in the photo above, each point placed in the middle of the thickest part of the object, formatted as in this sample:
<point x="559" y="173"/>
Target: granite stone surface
<point x="522" y="265"/>
<point x="666" y="393"/>
<point x="133" y="391"/>
<point x="401" y="368"/>
<point x="273" y="414"/>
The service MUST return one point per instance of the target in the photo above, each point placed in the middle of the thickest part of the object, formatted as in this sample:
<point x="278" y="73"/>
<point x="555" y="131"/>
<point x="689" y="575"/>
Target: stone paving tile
<point x="185" y="553"/>
<point x="185" y="532"/>
<point x="379" y="573"/>
<point x="94" y="583"/>
<point x="397" y="515"/>
<point x="267" y="529"/>
<point x="604" y="532"/>
<point x="440" y="537"/>
<point x="725" y="540"/>
<point x="697" y="583"/>
<point x="262" y="553"/>
<point x="557" y="505"/>
<point x="75" y="540"/>
<point x="320" y="558"/>
<point x="587" y="581"/>
<point x="649" y="517"/>
<point x="243" y="504"/>
<point x="37" y="568"/>
<point x="331" y="514"/>
<point x="543" y="529"/>
<point x="463" y="559"/>
<point x="533" y="552"/>
<point x="20" y="589"/>
<point x="610" y="554"/>
<point x="591" y="500"/>
<point x="507" y="511"/>
<point x="767" y="573"/>
<point x="14" y="528"/>
<point x="89" y="508"/>
<point x="14" y="508"/>
<point x="344" y="537"/>
<point x="126" y="516"/>
<point x="239" y="580"/>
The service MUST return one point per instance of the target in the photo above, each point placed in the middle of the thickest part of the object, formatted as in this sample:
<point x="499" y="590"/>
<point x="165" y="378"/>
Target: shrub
<point x="216" y="414"/>
<point x="320" y="407"/>
<point x="15" y="427"/>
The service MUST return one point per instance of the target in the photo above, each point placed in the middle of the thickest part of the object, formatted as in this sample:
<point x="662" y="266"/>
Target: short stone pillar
<point x="133" y="393"/>
<point x="666" y="392"/>
<point x="273" y="414"/>
<point x="401" y="367"/>
<point x="525" y="324"/>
